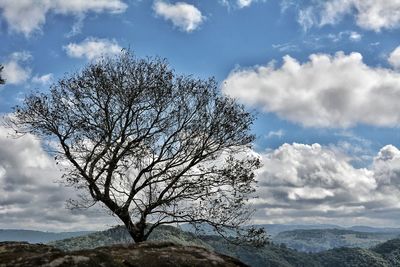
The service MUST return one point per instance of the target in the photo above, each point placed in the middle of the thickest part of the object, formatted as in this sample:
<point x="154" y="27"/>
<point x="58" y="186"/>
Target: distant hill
<point x="386" y="254"/>
<point x="316" y="240"/>
<point x="274" y="229"/>
<point x="119" y="235"/>
<point x="352" y="257"/>
<point x="272" y="255"/>
<point x="36" y="236"/>
<point x="374" y="229"/>
<point x="271" y="229"/>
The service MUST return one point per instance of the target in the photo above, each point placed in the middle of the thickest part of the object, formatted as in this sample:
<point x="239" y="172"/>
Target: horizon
<point x="289" y="224"/>
<point x="323" y="78"/>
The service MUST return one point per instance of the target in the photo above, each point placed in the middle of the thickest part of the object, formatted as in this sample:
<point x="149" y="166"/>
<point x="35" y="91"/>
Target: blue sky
<point x="316" y="72"/>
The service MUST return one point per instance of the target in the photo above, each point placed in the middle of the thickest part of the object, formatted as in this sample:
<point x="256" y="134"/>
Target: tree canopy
<point x="152" y="146"/>
<point x="2" y="81"/>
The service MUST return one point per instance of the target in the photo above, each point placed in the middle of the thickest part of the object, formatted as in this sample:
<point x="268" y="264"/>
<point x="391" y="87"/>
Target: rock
<point x="148" y="254"/>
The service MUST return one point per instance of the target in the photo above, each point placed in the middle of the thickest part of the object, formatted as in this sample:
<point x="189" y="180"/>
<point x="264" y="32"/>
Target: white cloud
<point x="394" y="58"/>
<point x="300" y="165"/>
<point x="279" y="134"/>
<point x="350" y="35"/>
<point x="306" y="18"/>
<point x="93" y="48"/>
<point x="286" y="4"/>
<point x="285" y="47"/>
<point x="184" y="16"/>
<point x="76" y="27"/>
<point x="30" y="197"/>
<point x="15" y="73"/>
<point x="327" y="91"/>
<point x="332" y="10"/>
<point x="369" y="14"/>
<point x="297" y="183"/>
<point x="313" y="183"/>
<point x="244" y="3"/>
<point x="44" y="79"/>
<point x="387" y="167"/>
<point x="15" y="70"/>
<point x="98" y="6"/>
<point x="355" y="36"/>
<point x="21" y="56"/>
<point x="28" y="16"/>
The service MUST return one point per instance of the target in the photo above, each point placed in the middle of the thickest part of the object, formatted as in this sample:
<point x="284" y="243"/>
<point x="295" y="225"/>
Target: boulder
<point x="147" y="254"/>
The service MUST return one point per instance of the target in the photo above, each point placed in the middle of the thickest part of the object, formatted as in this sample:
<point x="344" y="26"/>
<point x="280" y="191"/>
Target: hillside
<point x="275" y="229"/>
<point x="271" y="229"/>
<point x="316" y="240"/>
<point x="352" y="257"/>
<point x="119" y="235"/>
<point x="271" y="255"/>
<point x="384" y="255"/>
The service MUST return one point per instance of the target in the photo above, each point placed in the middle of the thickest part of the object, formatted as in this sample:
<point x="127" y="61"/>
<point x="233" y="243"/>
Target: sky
<point x="323" y="78"/>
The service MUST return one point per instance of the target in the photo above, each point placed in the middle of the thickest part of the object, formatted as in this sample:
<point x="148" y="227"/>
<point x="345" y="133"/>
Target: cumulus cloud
<point x="326" y="91"/>
<point x="184" y="16"/>
<point x="15" y="70"/>
<point x="93" y="48"/>
<point x="27" y="16"/>
<point x="387" y="167"/>
<point x="369" y="14"/>
<point x="394" y="58"/>
<point x="300" y="165"/>
<point x="313" y="183"/>
<point x="30" y="197"/>
<point x="298" y="182"/>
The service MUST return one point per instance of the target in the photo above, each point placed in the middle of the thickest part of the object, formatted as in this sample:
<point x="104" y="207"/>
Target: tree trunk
<point x="135" y="230"/>
<point x="137" y="233"/>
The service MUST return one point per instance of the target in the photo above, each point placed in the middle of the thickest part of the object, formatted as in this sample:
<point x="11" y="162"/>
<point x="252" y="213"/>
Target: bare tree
<point x="2" y="81"/>
<point x="152" y="146"/>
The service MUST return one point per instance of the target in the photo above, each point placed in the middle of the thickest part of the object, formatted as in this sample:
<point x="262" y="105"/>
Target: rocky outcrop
<point x="149" y="254"/>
